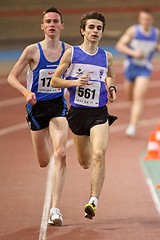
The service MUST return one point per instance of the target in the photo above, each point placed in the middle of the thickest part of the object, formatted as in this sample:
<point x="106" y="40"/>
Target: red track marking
<point x="73" y="11"/>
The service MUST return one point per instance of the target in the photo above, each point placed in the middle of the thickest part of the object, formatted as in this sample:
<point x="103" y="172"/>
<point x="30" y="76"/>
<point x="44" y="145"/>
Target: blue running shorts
<point x="133" y="71"/>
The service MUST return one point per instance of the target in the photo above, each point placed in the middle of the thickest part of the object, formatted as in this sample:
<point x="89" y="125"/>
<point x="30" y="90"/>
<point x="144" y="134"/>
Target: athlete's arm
<point x="158" y="45"/>
<point x="13" y="78"/>
<point x="58" y="82"/>
<point x="122" y="44"/>
<point x="110" y="80"/>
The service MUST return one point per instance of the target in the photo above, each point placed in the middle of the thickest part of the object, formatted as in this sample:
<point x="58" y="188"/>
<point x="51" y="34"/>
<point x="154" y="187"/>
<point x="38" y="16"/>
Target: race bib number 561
<point x="88" y="95"/>
<point x="45" y="76"/>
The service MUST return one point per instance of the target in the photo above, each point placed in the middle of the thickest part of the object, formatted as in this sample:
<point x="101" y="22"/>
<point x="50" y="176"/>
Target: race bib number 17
<point x="45" y="76"/>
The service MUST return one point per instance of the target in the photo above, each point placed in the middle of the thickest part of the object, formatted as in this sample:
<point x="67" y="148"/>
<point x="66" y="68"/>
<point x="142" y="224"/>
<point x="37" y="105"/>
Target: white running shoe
<point x="131" y="131"/>
<point x="55" y="217"/>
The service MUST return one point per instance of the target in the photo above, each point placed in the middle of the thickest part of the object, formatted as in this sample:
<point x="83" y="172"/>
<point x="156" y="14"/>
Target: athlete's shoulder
<point x="157" y="30"/>
<point x="109" y="57"/>
<point x="130" y="33"/>
<point x="67" y="55"/>
<point x="132" y="29"/>
<point x="67" y="46"/>
<point x="68" y="50"/>
<point x="32" y="48"/>
<point x="109" y="54"/>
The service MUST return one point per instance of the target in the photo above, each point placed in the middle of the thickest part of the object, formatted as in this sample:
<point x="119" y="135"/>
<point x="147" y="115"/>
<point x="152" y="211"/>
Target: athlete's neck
<point x="146" y="28"/>
<point x="90" y="47"/>
<point x="51" y="43"/>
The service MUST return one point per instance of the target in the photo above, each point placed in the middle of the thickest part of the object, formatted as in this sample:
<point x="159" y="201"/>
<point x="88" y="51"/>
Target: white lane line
<point x="152" y="84"/>
<point x="13" y="128"/>
<point x="114" y="129"/>
<point x="115" y="105"/>
<point x="3" y="79"/>
<point x="127" y="104"/>
<point x="12" y="101"/>
<point x="118" y="69"/>
<point x="47" y="201"/>
<point x="18" y="100"/>
<point x="142" y="123"/>
<point x="153" y="194"/>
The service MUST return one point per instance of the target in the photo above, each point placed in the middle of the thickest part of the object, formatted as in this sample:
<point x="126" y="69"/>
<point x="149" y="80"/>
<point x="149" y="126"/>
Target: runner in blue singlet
<point x="88" y="73"/>
<point x="46" y="106"/>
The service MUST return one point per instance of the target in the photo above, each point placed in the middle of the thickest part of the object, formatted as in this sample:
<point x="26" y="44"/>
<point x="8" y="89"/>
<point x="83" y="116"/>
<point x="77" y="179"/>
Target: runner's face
<point x="146" y="20"/>
<point x="93" y="30"/>
<point x="51" y="24"/>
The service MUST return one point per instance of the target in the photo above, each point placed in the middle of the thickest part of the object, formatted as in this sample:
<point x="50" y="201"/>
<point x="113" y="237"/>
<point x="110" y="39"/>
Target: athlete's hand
<point x="138" y="54"/>
<point x="112" y="94"/>
<point x="31" y="98"/>
<point x="83" y="80"/>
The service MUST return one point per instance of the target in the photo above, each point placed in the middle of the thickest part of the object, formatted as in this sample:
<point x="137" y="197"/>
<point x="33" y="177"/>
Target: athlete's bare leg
<point x="99" y="140"/>
<point x="83" y="150"/>
<point x="42" y="146"/>
<point x="58" y="128"/>
<point x="52" y="142"/>
<point x="128" y="89"/>
<point x="140" y="89"/>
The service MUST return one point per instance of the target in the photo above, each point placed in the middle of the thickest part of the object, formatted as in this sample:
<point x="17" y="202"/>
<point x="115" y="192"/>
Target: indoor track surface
<point x="126" y="211"/>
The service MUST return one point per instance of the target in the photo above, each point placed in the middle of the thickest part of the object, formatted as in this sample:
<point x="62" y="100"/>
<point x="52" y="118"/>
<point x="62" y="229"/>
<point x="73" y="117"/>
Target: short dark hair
<point x="92" y="15"/>
<point x="55" y="10"/>
<point x="147" y="10"/>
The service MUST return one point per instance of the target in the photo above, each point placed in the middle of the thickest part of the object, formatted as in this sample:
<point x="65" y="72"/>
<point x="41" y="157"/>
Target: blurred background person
<point x="138" y="43"/>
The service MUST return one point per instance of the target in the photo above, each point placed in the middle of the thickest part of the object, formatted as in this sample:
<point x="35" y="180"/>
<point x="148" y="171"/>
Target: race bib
<point x="88" y="95"/>
<point x="45" y="76"/>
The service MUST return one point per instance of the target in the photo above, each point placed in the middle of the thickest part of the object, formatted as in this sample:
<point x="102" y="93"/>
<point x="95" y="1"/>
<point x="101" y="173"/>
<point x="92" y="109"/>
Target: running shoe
<point x="130" y="131"/>
<point x="55" y="217"/>
<point x="90" y="210"/>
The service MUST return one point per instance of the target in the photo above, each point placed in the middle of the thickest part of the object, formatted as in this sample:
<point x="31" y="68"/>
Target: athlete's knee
<point x="85" y="166"/>
<point x="60" y="154"/>
<point x="43" y="163"/>
<point x="98" y="155"/>
<point x="85" y="163"/>
<point x="43" y="157"/>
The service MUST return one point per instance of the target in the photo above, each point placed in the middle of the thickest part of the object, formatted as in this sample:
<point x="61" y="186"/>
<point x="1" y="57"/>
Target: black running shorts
<point x="39" y="115"/>
<point x="81" y="120"/>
